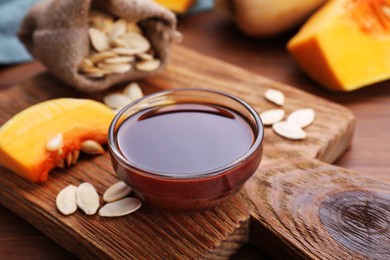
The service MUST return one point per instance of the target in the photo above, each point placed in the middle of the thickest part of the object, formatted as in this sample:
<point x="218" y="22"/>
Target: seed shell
<point x="133" y="91"/>
<point x="116" y="100"/>
<point x="117" y="29"/>
<point x="302" y="117"/>
<point x="66" y="200"/>
<point x="148" y="65"/>
<point x="117" y="68"/>
<point x="125" y="51"/>
<point x="87" y="198"/>
<point x="85" y="64"/>
<point x="98" y="39"/>
<point x="61" y="163"/>
<point x="272" y="116"/>
<point x="55" y="143"/>
<point x="94" y="75"/>
<point x="274" y="96"/>
<point x="289" y="130"/>
<point x="120" y="208"/>
<point x="76" y="154"/>
<point x="116" y="192"/>
<point x="133" y="27"/>
<point x="91" y="147"/>
<point x="117" y="60"/>
<point x="97" y="57"/>
<point x="136" y="42"/>
<point x="93" y="70"/>
<point x="144" y="56"/>
<point x="69" y="159"/>
<point x="119" y="43"/>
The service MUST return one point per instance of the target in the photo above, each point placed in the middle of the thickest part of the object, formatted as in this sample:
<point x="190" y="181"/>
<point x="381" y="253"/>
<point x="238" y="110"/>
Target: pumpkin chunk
<point x="64" y="123"/>
<point x="345" y="45"/>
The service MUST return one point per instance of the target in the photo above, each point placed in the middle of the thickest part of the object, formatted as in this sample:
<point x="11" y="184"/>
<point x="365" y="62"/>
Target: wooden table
<point x="214" y="34"/>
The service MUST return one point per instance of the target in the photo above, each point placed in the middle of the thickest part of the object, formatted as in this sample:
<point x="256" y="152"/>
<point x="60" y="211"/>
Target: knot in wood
<point x="359" y="220"/>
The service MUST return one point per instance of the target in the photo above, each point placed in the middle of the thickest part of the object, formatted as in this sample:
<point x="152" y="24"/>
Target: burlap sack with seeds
<point x="56" y="33"/>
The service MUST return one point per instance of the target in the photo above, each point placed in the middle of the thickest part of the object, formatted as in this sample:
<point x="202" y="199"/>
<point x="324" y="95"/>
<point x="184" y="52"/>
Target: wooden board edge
<point x="232" y="243"/>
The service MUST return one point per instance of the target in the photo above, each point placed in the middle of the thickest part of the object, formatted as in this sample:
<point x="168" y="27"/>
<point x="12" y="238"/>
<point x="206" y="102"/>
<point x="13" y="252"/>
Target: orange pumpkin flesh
<point x="23" y="138"/>
<point x="345" y="45"/>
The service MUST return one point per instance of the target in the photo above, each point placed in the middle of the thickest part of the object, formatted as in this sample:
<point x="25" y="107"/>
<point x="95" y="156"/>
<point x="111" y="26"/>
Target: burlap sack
<point x="56" y="33"/>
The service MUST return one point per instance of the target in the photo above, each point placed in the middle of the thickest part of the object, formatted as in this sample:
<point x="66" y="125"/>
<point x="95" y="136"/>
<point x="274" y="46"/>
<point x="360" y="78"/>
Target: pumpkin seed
<point x="61" y="163"/>
<point x="97" y="57"/>
<point x="94" y="75"/>
<point x="117" y="29"/>
<point x="127" y="40"/>
<point x="106" y="25"/>
<point x="55" y="143"/>
<point x="116" y="100"/>
<point x="76" y="154"/>
<point x="148" y="65"/>
<point x="116" y="60"/>
<point x="69" y="159"/>
<point x="119" y="43"/>
<point x="93" y="70"/>
<point x="136" y="42"/>
<point x="272" y="116"/>
<point x="66" y="200"/>
<point x="133" y="91"/>
<point x="302" y="117"/>
<point x="117" y="68"/>
<point x="87" y="198"/>
<point x="178" y="37"/>
<point x="120" y="208"/>
<point x="100" y="20"/>
<point x="289" y="130"/>
<point x="116" y="192"/>
<point x="133" y="27"/>
<point x="386" y="10"/>
<point x="125" y="51"/>
<point x="91" y="147"/>
<point x="85" y="64"/>
<point x="98" y="39"/>
<point x="144" y="56"/>
<point x="274" y="96"/>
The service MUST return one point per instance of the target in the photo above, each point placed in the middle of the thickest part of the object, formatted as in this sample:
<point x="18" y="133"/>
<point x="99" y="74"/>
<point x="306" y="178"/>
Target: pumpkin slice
<point x="23" y="139"/>
<point x="345" y="45"/>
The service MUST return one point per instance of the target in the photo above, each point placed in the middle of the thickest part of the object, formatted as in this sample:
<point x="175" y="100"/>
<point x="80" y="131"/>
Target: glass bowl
<point x="191" y="191"/>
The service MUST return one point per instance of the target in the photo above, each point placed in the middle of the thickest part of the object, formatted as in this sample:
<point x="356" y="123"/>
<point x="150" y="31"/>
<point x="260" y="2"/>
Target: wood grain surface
<point x="148" y="234"/>
<point x="215" y="35"/>
<point x="309" y="209"/>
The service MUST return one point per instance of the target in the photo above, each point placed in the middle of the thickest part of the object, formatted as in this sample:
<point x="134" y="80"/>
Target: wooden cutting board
<point x="295" y="205"/>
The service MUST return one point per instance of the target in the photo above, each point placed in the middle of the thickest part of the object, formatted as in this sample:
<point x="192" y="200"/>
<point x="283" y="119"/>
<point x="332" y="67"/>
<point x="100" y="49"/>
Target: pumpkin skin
<point x="265" y="18"/>
<point x="346" y="44"/>
<point x="23" y="138"/>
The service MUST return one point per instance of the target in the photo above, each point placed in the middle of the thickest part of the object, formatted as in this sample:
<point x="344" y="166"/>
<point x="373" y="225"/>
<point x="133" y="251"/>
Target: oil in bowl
<point x="186" y="149"/>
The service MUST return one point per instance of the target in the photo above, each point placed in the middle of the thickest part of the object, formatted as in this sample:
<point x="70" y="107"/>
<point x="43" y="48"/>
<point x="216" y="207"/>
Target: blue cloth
<point x="11" y="15"/>
<point x="201" y="6"/>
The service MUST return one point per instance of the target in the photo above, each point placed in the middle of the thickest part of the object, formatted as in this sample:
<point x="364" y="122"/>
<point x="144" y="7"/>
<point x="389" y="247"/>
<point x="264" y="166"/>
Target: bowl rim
<point x="196" y="175"/>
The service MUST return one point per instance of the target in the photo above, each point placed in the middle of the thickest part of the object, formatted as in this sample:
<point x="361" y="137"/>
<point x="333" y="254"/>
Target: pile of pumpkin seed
<point x="292" y="127"/>
<point x="117" y="46"/>
<point x="55" y="144"/>
<point x="86" y="198"/>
